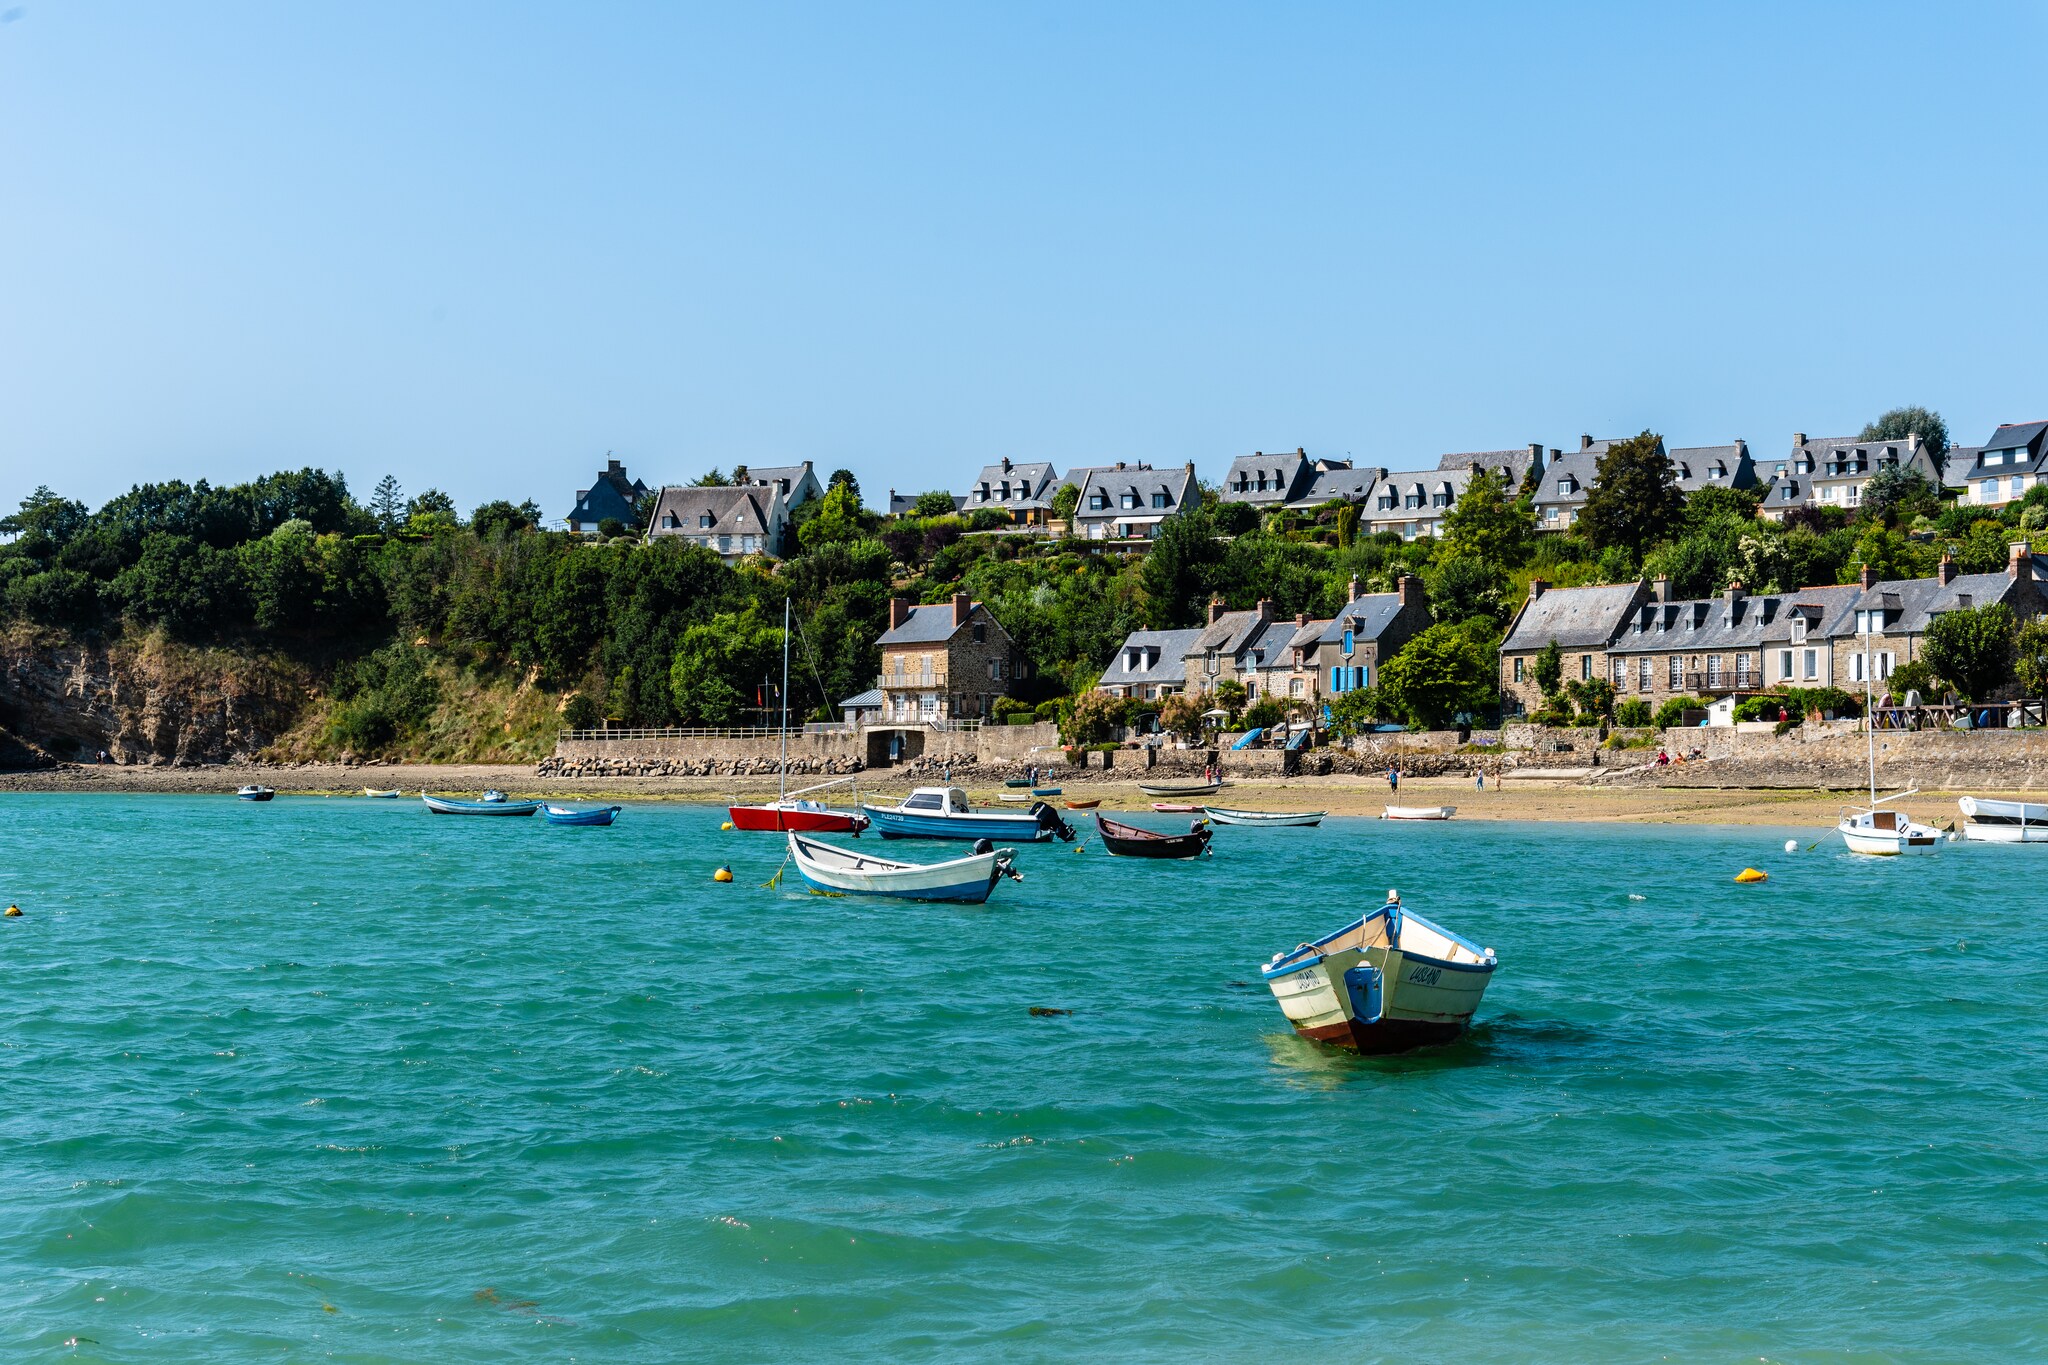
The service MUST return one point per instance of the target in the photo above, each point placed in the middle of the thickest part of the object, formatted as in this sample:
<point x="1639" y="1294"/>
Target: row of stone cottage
<point x="1633" y="636"/>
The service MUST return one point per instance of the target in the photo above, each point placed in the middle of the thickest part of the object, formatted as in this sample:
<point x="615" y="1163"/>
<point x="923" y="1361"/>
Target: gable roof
<point x="611" y="494"/>
<point x="2010" y="434"/>
<point x="1170" y="666"/>
<point x="1227" y="634"/>
<point x="1577" y="618"/>
<point x="1284" y="475"/>
<point x="1909" y="603"/>
<point x="1031" y="485"/>
<point x="1516" y="462"/>
<point x="1700" y="467"/>
<point x="1429" y="483"/>
<point x="1329" y="485"/>
<point x="1268" y="647"/>
<point x="748" y="510"/>
<point x="931" y="625"/>
<point x="1141" y="482"/>
<point x="775" y="475"/>
<point x="1367" y="616"/>
<point x="1716" y="623"/>
<point x="1573" y="467"/>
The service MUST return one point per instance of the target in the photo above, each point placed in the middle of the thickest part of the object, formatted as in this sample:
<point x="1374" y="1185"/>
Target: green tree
<point x="1895" y="492"/>
<point x="46" y="518"/>
<point x="1899" y="423"/>
<point x="186" y="585"/>
<point x="1973" y="648"/>
<point x="1635" y="500"/>
<point x="1549" y="672"/>
<point x="719" y="667"/>
<point x="933" y="504"/>
<point x="710" y="478"/>
<point x="501" y="518"/>
<point x="840" y="518"/>
<point x="1438" y="674"/>
<point x="1180" y="572"/>
<point x="843" y="478"/>
<point x="387" y="505"/>
<point x="1490" y="524"/>
<point x="1231" y="696"/>
<point x="1463" y="586"/>
<point x="2030" y="656"/>
<point x="1064" y="499"/>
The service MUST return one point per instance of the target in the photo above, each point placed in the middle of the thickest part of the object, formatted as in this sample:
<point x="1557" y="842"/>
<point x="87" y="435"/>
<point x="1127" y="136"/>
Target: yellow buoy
<point x="1750" y="874"/>
<point x="726" y="825"/>
<point x="14" y="912"/>
<point x="724" y="874"/>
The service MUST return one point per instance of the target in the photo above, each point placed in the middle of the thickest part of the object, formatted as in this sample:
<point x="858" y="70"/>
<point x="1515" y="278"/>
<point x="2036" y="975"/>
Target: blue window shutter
<point x="1336" y="676"/>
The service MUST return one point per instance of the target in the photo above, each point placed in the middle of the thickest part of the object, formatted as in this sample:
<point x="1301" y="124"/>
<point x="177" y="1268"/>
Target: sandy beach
<point x="1519" y="799"/>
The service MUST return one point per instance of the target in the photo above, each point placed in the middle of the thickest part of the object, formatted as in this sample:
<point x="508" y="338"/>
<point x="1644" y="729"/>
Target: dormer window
<point x="1130" y="501"/>
<point x="705" y="520"/>
<point x="1098" y="501"/>
<point x="1567" y="485"/>
<point x="982" y="494"/>
<point x="668" y="521"/>
<point x="1799" y="629"/>
<point x="1160" y="499"/>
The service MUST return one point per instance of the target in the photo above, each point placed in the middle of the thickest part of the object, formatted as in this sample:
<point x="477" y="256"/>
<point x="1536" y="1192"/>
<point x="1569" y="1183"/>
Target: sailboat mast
<point x="782" y="778"/>
<point x="1869" y="718"/>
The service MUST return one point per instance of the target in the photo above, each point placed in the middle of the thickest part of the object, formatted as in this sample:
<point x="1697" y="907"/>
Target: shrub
<point x="1672" y="712"/>
<point x="1633" y="713"/>
<point x="582" y="713"/>
<point x="1266" y="713"/>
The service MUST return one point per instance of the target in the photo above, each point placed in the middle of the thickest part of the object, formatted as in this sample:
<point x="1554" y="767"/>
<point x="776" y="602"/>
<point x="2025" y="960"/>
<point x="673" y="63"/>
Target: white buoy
<point x="1791" y="845"/>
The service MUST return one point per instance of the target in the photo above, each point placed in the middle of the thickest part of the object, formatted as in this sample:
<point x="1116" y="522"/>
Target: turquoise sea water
<point x="338" y="1080"/>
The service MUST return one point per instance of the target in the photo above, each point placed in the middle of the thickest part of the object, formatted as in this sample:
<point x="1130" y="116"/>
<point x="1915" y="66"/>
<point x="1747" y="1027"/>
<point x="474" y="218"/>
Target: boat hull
<point x="782" y="819"/>
<point x="562" y="815"/>
<point x="1131" y="841"/>
<point x="1874" y="840"/>
<point x="838" y="872"/>
<point x="1421" y="812"/>
<point x="1224" y="816"/>
<point x="442" y="806"/>
<point x="2003" y="822"/>
<point x="263" y="795"/>
<point x="997" y="825"/>
<point x="1380" y="999"/>
<point x="1170" y="790"/>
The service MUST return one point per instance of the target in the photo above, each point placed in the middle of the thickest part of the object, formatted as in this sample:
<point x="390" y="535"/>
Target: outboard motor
<point x="983" y="846"/>
<point x="1048" y="818"/>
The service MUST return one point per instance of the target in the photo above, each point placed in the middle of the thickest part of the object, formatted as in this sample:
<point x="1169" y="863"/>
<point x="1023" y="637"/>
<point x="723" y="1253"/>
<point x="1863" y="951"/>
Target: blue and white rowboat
<point x="840" y="871"/>
<point x="1389" y="982"/>
<point x="569" y="815"/>
<point x="441" y="805"/>
<point x="943" y="813"/>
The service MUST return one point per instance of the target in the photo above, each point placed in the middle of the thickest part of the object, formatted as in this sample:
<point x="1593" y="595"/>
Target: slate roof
<point x="1428" y="482"/>
<point x="1031" y="486"/>
<point x="870" y="700"/>
<point x="1352" y="485"/>
<point x="1577" y="466"/>
<point x="1286" y="475"/>
<point x="1170" y="667"/>
<point x="1178" y="484"/>
<point x="1958" y="461"/>
<point x="611" y="494"/>
<point x="2026" y="436"/>
<point x="1309" y="635"/>
<point x="1368" y="615"/>
<point x="1577" y="618"/>
<point x="930" y="625"/>
<point x="1268" y="648"/>
<point x="774" y="475"/>
<point x="1716" y="623"/>
<point x="2011" y="434"/>
<point x="1726" y="466"/>
<point x="1909" y="603"/>
<point x="1228" y="634"/>
<point x="1516" y="462"/>
<point x="742" y="511"/>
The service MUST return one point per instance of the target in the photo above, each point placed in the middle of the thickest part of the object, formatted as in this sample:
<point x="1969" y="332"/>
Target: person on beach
<point x="1479" y="780"/>
<point x="1394" y="780"/>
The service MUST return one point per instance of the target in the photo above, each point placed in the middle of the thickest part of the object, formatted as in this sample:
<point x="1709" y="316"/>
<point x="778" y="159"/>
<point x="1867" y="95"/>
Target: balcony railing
<point x="1729" y="680"/>
<point x="933" y="678"/>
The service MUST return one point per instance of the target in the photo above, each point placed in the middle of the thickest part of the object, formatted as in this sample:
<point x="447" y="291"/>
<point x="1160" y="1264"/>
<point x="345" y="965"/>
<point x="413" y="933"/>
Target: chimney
<point x="1741" y="447"/>
<point x="1536" y="588"/>
<point x="1006" y="464"/>
<point x="1535" y="452"/>
<point x="1215" y="610"/>
<point x="1912" y="439"/>
<point x="1301" y="451"/>
<point x="1119" y="464"/>
<point x="1300" y="619"/>
<point x="1660" y="589"/>
<point x="1945" y="572"/>
<point x="1409" y="589"/>
<point x="2022" y="565"/>
<point x="899" y="607"/>
<point x="1585" y="443"/>
<point x="1351" y="593"/>
<point x="963" y="607"/>
<point x="1798" y="439"/>
<point x="1265" y="610"/>
<point x="1869" y="578"/>
<point x="614" y="467"/>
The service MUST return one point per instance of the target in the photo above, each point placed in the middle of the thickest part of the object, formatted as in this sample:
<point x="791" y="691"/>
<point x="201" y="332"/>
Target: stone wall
<point x="1832" y="757"/>
<point x="1014" y="743"/>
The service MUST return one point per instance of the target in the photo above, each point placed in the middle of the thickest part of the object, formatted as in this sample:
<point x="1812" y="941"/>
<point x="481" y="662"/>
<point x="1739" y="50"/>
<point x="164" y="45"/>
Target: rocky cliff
<point x="142" y="698"/>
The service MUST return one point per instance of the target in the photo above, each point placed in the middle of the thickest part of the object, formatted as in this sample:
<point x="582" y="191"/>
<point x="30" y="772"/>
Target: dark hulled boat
<point x="1129" y="841"/>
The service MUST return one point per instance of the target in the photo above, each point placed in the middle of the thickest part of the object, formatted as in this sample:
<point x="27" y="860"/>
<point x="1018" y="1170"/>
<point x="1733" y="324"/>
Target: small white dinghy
<point x="841" y="871"/>
<point x="1885" y="833"/>
<point x="1390" y="982"/>
<point x="1224" y="815"/>
<point x="1420" y="812"/>
<point x="2003" y="822"/>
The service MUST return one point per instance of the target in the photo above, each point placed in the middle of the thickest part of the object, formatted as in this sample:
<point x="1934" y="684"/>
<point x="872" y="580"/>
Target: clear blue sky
<point x="478" y="246"/>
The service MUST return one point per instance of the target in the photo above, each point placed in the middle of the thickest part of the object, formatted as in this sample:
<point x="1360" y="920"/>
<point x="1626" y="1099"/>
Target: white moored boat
<point x="1388" y="983"/>
<point x="1883" y="833"/>
<point x="827" y="867"/>
<point x="2003" y="822"/>
<point x="1224" y="815"/>
<point x="1420" y="812"/>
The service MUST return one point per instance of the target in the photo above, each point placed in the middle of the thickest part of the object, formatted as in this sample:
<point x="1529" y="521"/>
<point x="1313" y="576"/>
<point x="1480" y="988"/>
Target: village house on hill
<point x="1128" y="502"/>
<point x="1895" y="613"/>
<point x="733" y="522"/>
<point x="1832" y="471"/>
<point x="1565" y="483"/>
<point x="611" y="495"/>
<point x="1515" y="467"/>
<point x="1582" y="622"/>
<point x="797" y="483"/>
<point x="1369" y="629"/>
<point x="945" y="662"/>
<point x="1722" y="645"/>
<point x="1413" y="503"/>
<point x="2013" y="460"/>
<point x="1021" y="491"/>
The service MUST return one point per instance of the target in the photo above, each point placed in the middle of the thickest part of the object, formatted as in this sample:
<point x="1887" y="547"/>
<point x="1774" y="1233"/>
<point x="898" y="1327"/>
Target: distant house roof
<point x="1700" y="467"/>
<point x="789" y="479"/>
<point x="1140" y="483"/>
<point x="1151" y="656"/>
<point x="1576" y="618"/>
<point x="1013" y="487"/>
<point x="1268" y="648"/>
<point x="612" y="494"/>
<point x="1512" y="463"/>
<point x="1228" y="633"/>
<point x="903" y="504"/>
<point x="1340" y="483"/>
<point x="931" y="625"/>
<point x="1366" y="616"/>
<point x="870" y="700"/>
<point x="1731" y="621"/>
<point x="2011" y="434"/>
<point x="1910" y="603"/>
<point x="2026" y="437"/>
<point x="1267" y="480"/>
<point x="1308" y="635"/>
<point x="1570" y="477"/>
<point x="1429" y="486"/>
<point x="748" y="510"/>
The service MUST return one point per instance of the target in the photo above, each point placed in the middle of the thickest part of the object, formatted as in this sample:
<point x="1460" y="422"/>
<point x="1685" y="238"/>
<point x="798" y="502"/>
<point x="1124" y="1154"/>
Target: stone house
<point x="2014" y="459"/>
<point x="731" y="521"/>
<point x="1128" y="502"/>
<point x="1021" y="491"/>
<point x="1221" y="646"/>
<point x="611" y="494"/>
<point x="1831" y="471"/>
<point x="1894" y="613"/>
<point x="1369" y="629"/>
<point x="1717" y="646"/>
<point x="1413" y="503"/>
<point x="945" y="662"/>
<point x="1288" y="667"/>
<point x="1582" y="622"/>
<point x="1150" y="664"/>
<point x="1561" y="490"/>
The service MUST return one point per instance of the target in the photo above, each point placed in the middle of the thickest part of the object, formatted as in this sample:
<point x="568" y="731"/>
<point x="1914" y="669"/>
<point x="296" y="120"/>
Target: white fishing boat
<point x="2003" y="822"/>
<point x="1390" y="982"/>
<point x="841" y="871"/>
<point x="1420" y="812"/>
<point x="1871" y="830"/>
<point x="1224" y="815"/>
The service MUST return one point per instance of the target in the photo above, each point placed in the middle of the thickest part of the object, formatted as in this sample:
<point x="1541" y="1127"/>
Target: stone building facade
<point x="947" y="661"/>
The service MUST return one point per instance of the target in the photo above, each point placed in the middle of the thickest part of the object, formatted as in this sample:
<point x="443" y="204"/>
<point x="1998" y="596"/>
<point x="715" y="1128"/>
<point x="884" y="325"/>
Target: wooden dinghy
<point x="840" y="871"/>
<point x="1090" y="804"/>
<point x="1129" y="841"/>
<point x="1386" y="983"/>
<point x="1224" y="815"/>
<point x="376" y="795"/>
<point x="570" y="815"/>
<point x="1176" y="808"/>
<point x="493" y="803"/>
<point x="1172" y="791"/>
<point x="1420" y="812"/>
